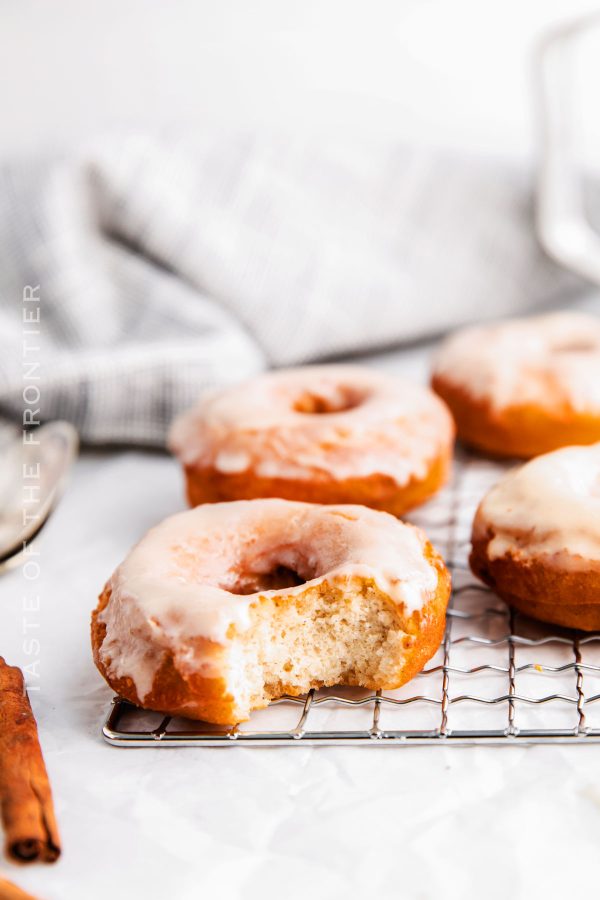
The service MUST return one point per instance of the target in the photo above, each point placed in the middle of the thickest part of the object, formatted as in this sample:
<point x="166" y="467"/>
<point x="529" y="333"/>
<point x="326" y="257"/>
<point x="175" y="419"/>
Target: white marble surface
<point x="408" y="822"/>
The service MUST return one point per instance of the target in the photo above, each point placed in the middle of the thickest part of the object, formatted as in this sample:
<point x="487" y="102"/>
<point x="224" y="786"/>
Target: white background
<point x="454" y="73"/>
<point x="474" y="823"/>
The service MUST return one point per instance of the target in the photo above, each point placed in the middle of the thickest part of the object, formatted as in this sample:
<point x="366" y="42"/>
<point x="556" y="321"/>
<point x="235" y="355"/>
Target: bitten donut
<point x="524" y="387"/>
<point x="225" y="607"/>
<point x="322" y="434"/>
<point x="536" y="538"/>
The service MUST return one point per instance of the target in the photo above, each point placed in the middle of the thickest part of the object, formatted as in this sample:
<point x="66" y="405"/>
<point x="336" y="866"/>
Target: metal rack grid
<point x="498" y="678"/>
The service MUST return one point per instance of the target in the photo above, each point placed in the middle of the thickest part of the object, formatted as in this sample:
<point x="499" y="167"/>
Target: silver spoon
<point x="33" y="472"/>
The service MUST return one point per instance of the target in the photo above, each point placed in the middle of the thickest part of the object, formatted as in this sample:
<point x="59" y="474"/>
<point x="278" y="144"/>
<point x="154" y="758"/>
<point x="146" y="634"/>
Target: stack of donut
<point x="292" y="570"/>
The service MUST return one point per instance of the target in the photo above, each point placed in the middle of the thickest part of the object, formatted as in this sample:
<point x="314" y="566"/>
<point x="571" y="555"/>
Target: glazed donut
<point x="524" y="387"/>
<point x="536" y="538"/>
<point x="225" y="607"/>
<point x="323" y="434"/>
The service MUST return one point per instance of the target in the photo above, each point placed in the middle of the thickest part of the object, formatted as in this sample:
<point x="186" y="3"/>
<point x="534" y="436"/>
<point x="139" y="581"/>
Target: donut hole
<point x="336" y="399"/>
<point x="269" y="568"/>
<point x="277" y="579"/>
<point x="576" y="345"/>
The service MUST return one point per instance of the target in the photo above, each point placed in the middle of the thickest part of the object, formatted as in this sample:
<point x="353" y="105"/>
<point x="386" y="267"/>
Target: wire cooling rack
<point x="498" y="678"/>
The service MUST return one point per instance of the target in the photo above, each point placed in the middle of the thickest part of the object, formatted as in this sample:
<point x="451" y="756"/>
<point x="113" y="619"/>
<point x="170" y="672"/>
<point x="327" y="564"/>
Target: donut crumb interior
<point x="321" y="637"/>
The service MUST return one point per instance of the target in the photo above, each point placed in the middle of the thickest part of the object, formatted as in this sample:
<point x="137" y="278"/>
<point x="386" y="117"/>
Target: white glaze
<point x="397" y="429"/>
<point x="173" y="586"/>
<point x="549" y="506"/>
<point x="545" y="360"/>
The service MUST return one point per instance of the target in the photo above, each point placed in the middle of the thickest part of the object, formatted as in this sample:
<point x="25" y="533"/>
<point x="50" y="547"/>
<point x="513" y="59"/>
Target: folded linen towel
<point x="165" y="268"/>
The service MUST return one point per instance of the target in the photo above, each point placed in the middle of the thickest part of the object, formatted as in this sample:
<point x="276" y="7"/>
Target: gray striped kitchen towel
<point x="162" y="269"/>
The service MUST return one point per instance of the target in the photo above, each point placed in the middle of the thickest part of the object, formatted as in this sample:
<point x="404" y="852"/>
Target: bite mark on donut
<point x="356" y="636"/>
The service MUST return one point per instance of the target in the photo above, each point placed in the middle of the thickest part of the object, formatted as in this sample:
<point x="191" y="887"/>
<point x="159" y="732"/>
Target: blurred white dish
<point x="33" y="470"/>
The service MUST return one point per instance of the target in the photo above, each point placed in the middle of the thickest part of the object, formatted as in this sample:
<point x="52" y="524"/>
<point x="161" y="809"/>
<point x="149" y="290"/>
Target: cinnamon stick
<point x="25" y="797"/>
<point x="10" y="891"/>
